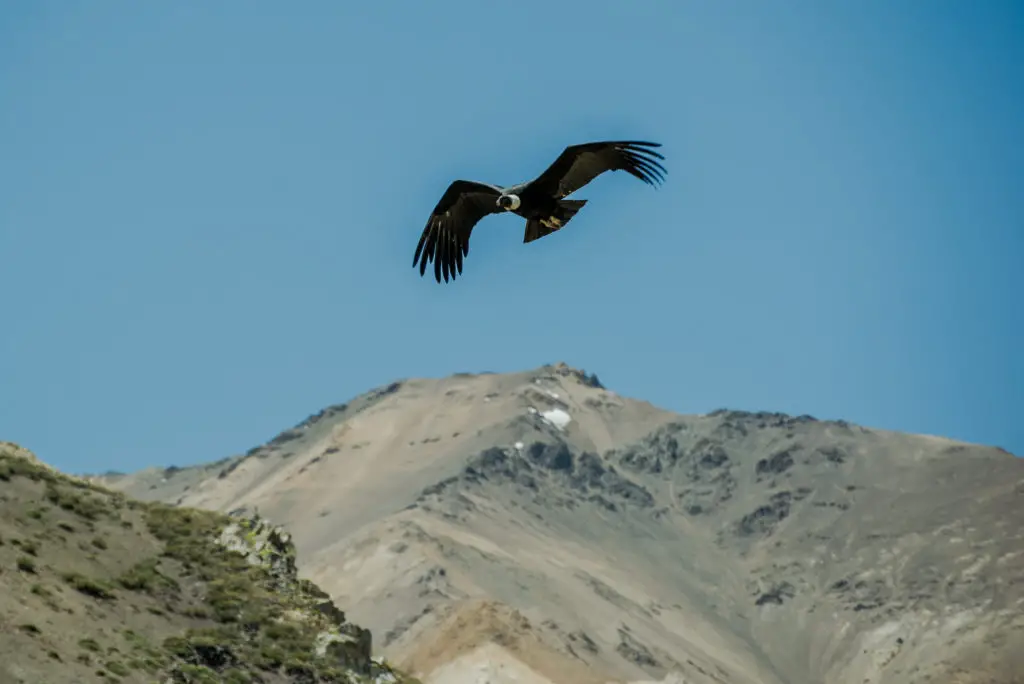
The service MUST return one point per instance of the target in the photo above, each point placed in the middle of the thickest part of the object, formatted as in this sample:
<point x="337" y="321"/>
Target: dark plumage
<point x="445" y="239"/>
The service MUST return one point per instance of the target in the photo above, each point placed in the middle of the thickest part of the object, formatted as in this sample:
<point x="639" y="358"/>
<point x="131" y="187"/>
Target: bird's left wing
<point x="445" y="239"/>
<point x="580" y="164"/>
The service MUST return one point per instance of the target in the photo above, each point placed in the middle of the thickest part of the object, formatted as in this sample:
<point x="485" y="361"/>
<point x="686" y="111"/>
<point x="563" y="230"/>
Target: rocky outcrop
<point x="550" y="472"/>
<point x="264" y="545"/>
<point x="270" y="547"/>
<point x="562" y="369"/>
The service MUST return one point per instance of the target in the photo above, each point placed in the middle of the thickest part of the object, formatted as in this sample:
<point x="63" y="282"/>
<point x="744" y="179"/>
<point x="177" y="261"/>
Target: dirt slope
<point x="536" y="527"/>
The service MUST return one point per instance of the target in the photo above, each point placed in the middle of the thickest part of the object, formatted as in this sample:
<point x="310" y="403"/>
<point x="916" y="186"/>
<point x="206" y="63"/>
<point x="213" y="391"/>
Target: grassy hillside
<point x="98" y="587"/>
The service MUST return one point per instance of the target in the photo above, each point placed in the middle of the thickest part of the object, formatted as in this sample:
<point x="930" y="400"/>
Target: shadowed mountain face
<point x="546" y="528"/>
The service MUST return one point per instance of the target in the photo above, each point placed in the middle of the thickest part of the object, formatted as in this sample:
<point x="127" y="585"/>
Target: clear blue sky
<point x="208" y="211"/>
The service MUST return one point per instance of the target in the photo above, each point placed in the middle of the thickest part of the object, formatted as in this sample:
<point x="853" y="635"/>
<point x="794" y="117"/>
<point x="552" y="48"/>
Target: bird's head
<point x="508" y="202"/>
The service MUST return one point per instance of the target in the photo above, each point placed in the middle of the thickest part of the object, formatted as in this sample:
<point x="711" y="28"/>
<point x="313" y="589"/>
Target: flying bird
<point x="541" y="201"/>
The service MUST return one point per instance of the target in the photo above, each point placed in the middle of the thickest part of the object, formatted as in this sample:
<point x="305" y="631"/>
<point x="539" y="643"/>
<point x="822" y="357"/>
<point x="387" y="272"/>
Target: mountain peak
<point x="565" y="370"/>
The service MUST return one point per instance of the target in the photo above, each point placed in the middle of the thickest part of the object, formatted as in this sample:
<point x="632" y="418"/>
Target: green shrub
<point x="89" y="645"/>
<point x="144" y="576"/>
<point x="88" y="586"/>
<point x="196" y="674"/>
<point x="12" y="466"/>
<point x="87" y="506"/>
<point x="117" y="668"/>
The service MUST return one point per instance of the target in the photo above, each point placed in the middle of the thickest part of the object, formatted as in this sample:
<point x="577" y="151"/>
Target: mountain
<point x="100" y="587"/>
<point x="538" y="527"/>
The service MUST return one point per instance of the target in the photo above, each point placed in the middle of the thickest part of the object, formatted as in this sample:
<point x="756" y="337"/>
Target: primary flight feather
<point x="541" y="201"/>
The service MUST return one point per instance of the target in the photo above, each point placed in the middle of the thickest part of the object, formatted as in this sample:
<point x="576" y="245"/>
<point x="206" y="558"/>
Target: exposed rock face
<point x="264" y="545"/>
<point x="584" y="477"/>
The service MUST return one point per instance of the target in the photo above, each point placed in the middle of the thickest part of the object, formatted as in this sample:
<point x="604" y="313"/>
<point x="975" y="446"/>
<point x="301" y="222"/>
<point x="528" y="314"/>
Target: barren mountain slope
<point x="469" y="531"/>
<point x="354" y="463"/>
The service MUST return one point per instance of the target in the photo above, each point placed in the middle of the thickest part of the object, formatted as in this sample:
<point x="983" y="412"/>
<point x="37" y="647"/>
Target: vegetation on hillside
<point x="100" y="587"/>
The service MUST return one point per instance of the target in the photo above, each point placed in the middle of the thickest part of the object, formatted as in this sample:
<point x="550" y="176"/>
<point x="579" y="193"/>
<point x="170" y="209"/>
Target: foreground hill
<point x="536" y="527"/>
<point x="97" y="587"/>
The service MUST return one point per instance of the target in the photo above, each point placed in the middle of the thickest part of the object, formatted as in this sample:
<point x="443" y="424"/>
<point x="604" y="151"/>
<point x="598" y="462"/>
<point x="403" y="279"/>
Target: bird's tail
<point x="538" y="228"/>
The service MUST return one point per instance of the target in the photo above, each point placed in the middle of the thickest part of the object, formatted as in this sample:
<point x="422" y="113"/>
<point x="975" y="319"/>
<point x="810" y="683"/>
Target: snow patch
<point x="557" y="417"/>
<point x="531" y="410"/>
<point x="519" y="446"/>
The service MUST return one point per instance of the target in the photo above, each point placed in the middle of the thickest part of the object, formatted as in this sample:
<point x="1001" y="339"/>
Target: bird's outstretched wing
<point x="445" y="239"/>
<point x="580" y="164"/>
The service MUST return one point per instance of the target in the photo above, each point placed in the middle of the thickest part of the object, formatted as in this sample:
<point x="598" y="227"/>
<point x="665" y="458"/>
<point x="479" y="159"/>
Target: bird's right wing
<point x="445" y="239"/>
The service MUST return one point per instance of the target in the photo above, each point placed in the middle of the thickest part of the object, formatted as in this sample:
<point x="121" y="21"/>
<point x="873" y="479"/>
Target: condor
<point x="445" y="239"/>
